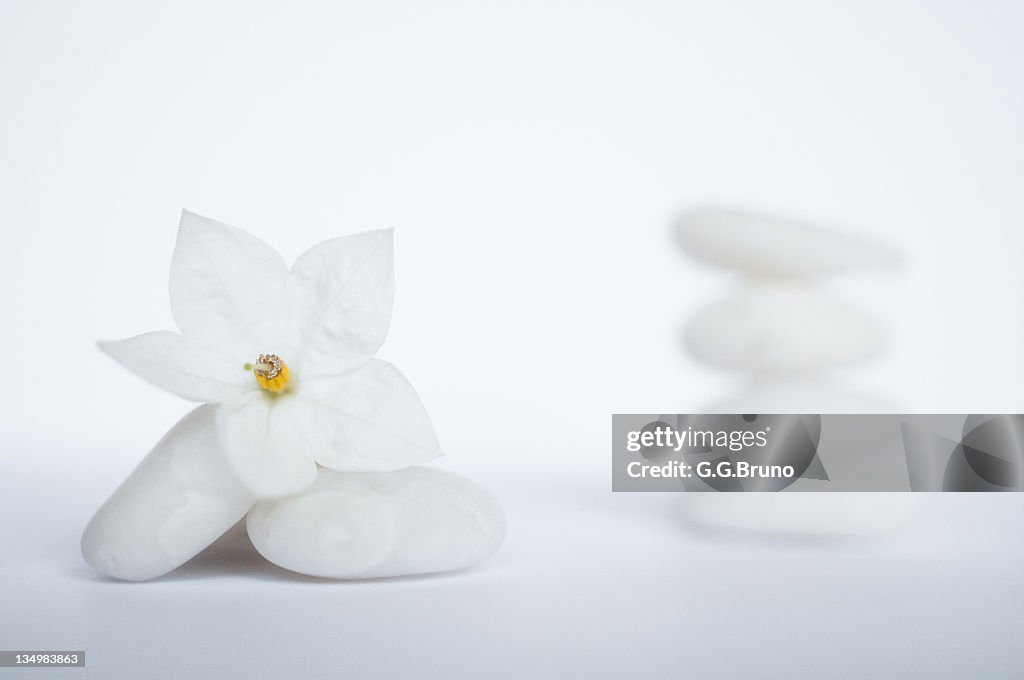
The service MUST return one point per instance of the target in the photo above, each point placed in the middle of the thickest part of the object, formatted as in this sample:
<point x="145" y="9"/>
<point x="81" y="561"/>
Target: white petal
<point x="167" y="360"/>
<point x="369" y="419"/>
<point x="345" y="289"/>
<point x="228" y="288"/>
<point x="264" y="445"/>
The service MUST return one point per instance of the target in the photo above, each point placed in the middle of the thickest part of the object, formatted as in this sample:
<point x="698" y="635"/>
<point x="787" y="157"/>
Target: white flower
<point x="320" y="397"/>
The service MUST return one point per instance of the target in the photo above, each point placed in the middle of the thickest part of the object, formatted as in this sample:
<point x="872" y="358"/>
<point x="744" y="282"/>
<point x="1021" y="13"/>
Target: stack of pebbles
<point x="781" y="332"/>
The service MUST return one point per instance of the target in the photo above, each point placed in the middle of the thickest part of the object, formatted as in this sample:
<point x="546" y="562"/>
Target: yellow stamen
<point x="271" y="373"/>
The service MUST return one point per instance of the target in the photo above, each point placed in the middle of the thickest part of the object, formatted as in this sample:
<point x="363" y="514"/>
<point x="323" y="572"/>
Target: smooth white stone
<point x="373" y="524"/>
<point x="796" y="395"/>
<point x="805" y="514"/>
<point x="179" y="499"/>
<point x="782" y="328"/>
<point x="880" y="463"/>
<point x="811" y="514"/>
<point x="775" y="246"/>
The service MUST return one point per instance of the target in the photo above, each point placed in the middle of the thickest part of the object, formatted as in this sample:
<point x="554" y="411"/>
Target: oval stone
<point x="811" y="514"/>
<point x="804" y="394"/>
<point x="775" y="246"/>
<point x="179" y="499"/>
<point x="782" y="328"/>
<point x="374" y="524"/>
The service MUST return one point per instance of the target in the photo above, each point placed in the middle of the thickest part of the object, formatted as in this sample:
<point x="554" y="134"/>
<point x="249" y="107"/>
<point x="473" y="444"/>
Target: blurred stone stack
<point x="781" y="332"/>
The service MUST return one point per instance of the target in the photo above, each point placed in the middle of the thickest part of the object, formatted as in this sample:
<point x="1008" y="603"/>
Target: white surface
<point x="533" y="158"/>
<point x="419" y="520"/>
<point x="588" y="584"/>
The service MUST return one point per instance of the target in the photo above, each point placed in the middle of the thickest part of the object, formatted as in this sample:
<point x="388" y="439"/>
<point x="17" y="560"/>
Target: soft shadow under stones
<point x="230" y="555"/>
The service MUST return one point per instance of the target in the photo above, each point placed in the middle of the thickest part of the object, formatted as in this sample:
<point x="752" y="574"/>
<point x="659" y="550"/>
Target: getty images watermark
<point x="809" y="452"/>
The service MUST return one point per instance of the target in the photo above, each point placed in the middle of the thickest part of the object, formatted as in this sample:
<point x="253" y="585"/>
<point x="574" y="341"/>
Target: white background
<point x="532" y="157"/>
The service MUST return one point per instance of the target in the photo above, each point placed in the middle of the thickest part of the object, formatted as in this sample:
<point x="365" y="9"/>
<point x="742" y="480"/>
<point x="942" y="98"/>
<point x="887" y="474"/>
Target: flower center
<point x="271" y="373"/>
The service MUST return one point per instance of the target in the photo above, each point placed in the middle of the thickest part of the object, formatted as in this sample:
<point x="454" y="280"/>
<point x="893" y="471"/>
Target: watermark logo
<point x="810" y="452"/>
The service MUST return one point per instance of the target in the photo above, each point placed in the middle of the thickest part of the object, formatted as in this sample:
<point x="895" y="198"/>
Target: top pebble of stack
<point x="776" y="247"/>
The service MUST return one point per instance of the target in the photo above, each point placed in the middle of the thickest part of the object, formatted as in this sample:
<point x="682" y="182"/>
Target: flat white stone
<point x="774" y="246"/>
<point x="782" y="328"/>
<point x="809" y="514"/>
<point x="805" y="394"/>
<point x="179" y="499"/>
<point x="374" y="524"/>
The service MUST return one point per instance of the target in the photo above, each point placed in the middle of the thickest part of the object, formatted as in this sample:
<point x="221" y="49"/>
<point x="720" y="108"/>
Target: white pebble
<point x="179" y="499"/>
<point x="780" y="328"/>
<point x="795" y="513"/>
<point x="799" y="395"/>
<point x="372" y="524"/>
<point x="809" y="514"/>
<point x="771" y="246"/>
